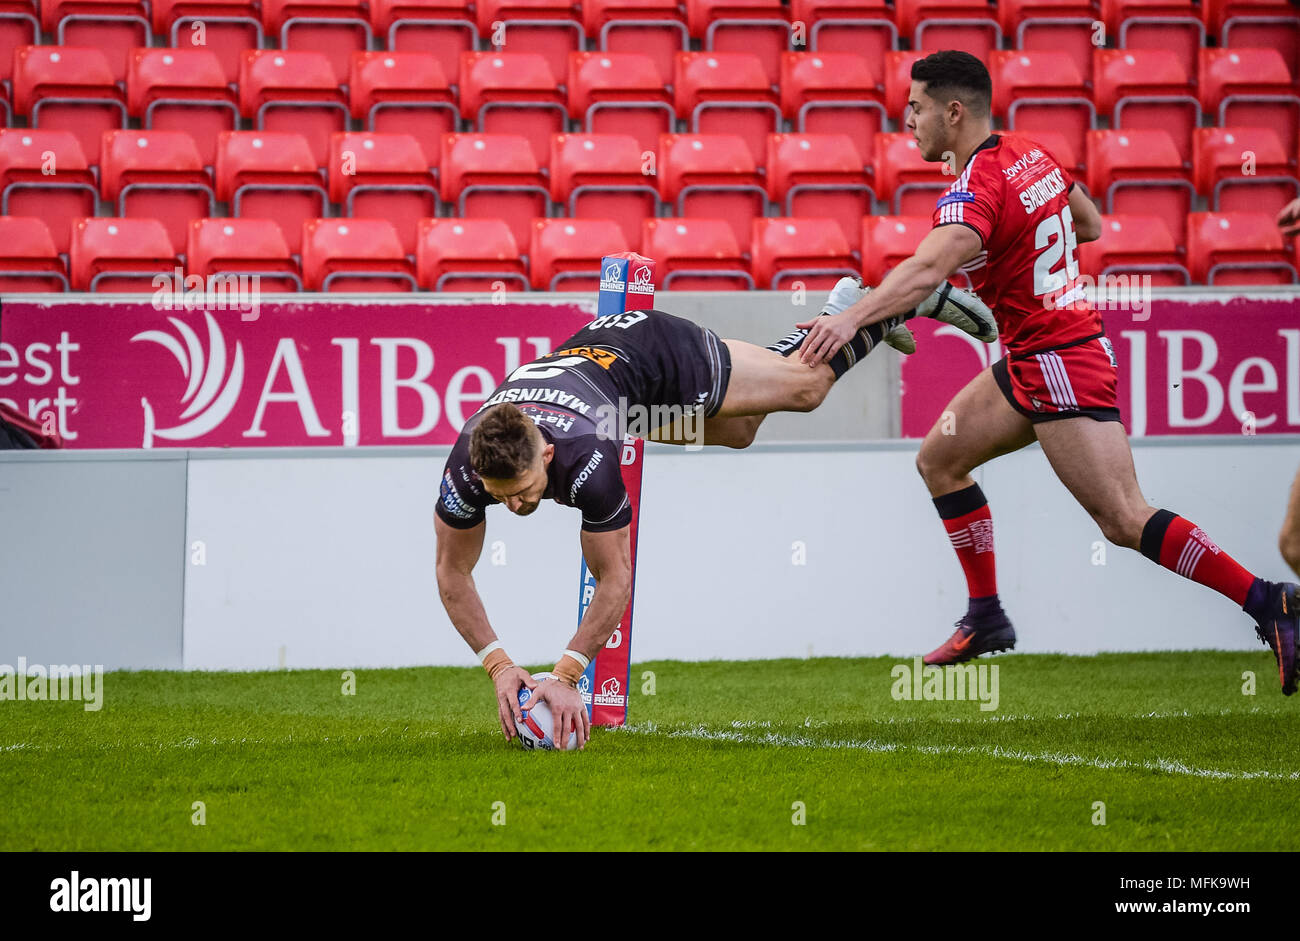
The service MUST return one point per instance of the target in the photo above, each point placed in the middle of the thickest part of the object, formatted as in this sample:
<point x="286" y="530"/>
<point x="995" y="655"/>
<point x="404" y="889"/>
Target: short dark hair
<point x="952" y="74"/>
<point x="502" y="444"/>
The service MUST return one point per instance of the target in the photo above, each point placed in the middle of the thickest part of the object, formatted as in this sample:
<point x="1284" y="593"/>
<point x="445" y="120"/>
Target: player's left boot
<point x="1279" y="628"/>
<point x="974" y="636"/>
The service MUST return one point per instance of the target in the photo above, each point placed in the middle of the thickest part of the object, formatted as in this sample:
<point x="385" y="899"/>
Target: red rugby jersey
<point x="1017" y="197"/>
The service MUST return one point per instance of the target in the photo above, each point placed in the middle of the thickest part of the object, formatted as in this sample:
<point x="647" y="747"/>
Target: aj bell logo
<point x="207" y="408"/>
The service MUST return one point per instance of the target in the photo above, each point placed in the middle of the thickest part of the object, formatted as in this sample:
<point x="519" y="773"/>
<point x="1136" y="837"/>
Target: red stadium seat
<point x="403" y="92"/>
<point x="182" y="90"/>
<point x="696" y="255"/>
<point x="1228" y="72"/>
<point x="833" y="93"/>
<point x="383" y="176"/>
<point x="335" y="28"/>
<point x="1140" y="173"/>
<point x="156" y="175"/>
<point x="565" y="254"/>
<point x="979" y="37"/>
<point x="512" y="93"/>
<point x="619" y="93"/>
<point x="912" y="13"/>
<point x="469" y="255"/>
<point x="549" y="28"/>
<point x="1059" y="147"/>
<point x="654" y="28"/>
<point x="271" y="175"/>
<point x="1011" y="13"/>
<point x="1251" y="87"/>
<point x="1218" y="13"/>
<point x="112" y="26"/>
<point x="727" y="93"/>
<point x="362" y="255"/>
<point x="1115" y="12"/>
<point x="888" y="240"/>
<point x="494" y="176"/>
<point x="29" y="262"/>
<point x="1181" y="35"/>
<point x="910" y="184"/>
<point x="1237" y="248"/>
<point x="862" y="27"/>
<point x="1134" y="245"/>
<point x="602" y="176"/>
<point x="819" y="175"/>
<point x="226" y="28"/>
<point x="45" y="174"/>
<point x="18" y="27"/>
<point x="444" y="29"/>
<point x="898" y="82"/>
<point x="1042" y="90"/>
<point x="808" y="250"/>
<point x="119" y="254"/>
<point x="1280" y="31"/>
<point x="1071" y="35"/>
<point x="711" y="176"/>
<point x="1222" y="157"/>
<point x="68" y="88"/>
<point x="294" y="92"/>
<point x="242" y="247"/>
<point x="755" y="27"/>
<point x="1140" y="73"/>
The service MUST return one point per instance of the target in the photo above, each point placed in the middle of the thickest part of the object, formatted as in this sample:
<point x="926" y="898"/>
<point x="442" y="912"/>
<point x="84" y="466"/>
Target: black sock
<point x="1257" y="600"/>
<point x="863" y="342"/>
<point x="788" y="343"/>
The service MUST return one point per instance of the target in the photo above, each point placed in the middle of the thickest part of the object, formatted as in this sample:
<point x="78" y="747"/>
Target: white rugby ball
<point x="536" y="729"/>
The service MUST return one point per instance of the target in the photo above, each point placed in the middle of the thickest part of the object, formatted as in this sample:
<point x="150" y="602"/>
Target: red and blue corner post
<point x="626" y="283"/>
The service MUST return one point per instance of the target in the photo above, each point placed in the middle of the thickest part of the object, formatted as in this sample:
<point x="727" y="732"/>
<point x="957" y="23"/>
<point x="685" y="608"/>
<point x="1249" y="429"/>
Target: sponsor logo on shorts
<point x="451" y="499"/>
<point x="609" y="694"/>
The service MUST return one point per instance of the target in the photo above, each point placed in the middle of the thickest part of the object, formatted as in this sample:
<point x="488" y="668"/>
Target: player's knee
<point x="1120" y="529"/>
<point x="929" y="467"/>
<point x="808" y="397"/>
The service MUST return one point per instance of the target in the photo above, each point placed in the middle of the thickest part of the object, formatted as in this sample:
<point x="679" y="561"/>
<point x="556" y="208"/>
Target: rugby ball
<point x="535" y="732"/>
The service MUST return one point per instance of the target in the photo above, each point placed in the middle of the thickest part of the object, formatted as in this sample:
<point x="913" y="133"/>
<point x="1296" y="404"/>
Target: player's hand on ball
<point x="567" y="709"/>
<point x="507" y="685"/>
<point x="825" y="336"/>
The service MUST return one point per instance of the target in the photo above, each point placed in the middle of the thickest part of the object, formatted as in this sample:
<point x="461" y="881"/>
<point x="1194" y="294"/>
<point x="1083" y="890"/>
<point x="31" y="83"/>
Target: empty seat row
<point x="117" y="254"/>
<point x="659" y="28"/>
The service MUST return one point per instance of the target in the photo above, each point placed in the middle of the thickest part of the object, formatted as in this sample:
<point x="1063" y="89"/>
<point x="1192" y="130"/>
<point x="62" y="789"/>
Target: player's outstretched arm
<point x="609" y="559"/>
<point x="940" y="253"/>
<point x="457" y="554"/>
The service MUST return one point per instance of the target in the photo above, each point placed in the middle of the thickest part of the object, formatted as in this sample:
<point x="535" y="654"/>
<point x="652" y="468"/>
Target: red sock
<point x="1183" y="547"/>
<point x="969" y="523"/>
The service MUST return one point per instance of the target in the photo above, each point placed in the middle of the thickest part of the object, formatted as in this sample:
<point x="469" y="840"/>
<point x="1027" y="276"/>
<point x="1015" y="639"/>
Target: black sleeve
<point x="600" y="494"/>
<point x="461" y="497"/>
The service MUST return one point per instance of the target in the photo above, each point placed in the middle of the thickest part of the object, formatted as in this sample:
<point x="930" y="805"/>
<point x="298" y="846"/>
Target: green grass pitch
<point x="762" y="755"/>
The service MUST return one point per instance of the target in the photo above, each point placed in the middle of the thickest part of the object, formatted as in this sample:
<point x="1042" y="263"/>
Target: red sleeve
<point x="973" y="200"/>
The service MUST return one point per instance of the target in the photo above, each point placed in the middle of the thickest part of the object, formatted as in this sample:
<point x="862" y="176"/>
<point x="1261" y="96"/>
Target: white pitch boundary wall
<point x="327" y="560"/>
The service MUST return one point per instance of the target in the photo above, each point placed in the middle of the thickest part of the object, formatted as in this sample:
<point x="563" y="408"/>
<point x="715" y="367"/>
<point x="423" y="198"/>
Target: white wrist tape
<point x="482" y="654"/>
<point x="577" y="656"/>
